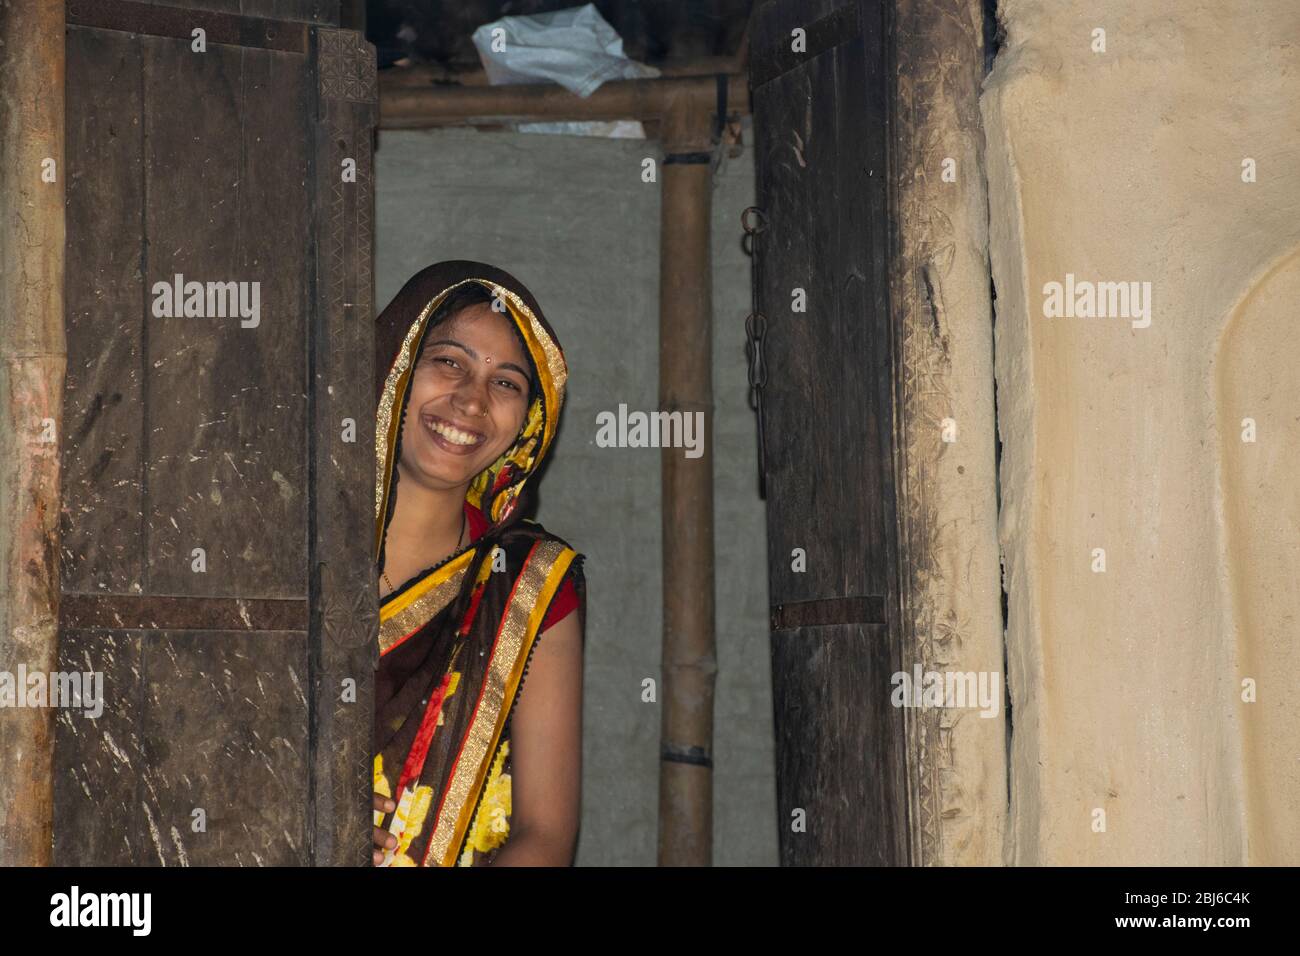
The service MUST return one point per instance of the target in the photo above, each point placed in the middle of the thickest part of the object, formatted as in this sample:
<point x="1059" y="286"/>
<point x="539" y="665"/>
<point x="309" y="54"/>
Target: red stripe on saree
<point x="420" y="746"/>
<point x="478" y="703"/>
<point x="567" y="598"/>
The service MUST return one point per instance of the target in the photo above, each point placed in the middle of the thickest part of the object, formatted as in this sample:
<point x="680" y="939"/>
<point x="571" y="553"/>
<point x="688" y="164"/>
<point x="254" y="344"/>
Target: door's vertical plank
<point x="821" y="126"/>
<point x="831" y="731"/>
<point x="865" y="86"/>
<point x="225" y="715"/>
<point x="782" y="120"/>
<point x="275" y="214"/>
<point x="821" y="182"/>
<point x="225" y="410"/>
<point x="344" y="599"/>
<point x="832" y="355"/>
<point x="191" y="198"/>
<point x="103" y="394"/>
<point x="862" y="89"/>
<point x="101" y="760"/>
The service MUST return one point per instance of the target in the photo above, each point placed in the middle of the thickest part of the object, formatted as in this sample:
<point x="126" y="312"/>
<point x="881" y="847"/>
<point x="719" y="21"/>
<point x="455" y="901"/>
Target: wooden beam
<point x="33" y="356"/>
<point x="403" y="106"/>
<point x="438" y="74"/>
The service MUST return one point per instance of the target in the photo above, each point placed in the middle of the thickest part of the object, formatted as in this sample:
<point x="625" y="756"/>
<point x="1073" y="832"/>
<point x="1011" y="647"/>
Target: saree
<point x="455" y="641"/>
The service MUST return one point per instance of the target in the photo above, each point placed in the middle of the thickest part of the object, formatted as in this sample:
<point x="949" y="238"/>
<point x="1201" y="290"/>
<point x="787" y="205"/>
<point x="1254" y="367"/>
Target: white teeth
<point x="453" y="434"/>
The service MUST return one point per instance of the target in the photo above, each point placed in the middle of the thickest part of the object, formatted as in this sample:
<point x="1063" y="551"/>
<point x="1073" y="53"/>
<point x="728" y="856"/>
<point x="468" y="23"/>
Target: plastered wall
<point x="1150" y="522"/>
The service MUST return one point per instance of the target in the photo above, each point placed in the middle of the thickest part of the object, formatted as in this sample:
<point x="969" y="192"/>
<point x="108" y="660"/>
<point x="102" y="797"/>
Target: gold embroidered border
<point x="386" y="422"/>
<point x="536" y="586"/>
<point x="557" y="372"/>
<point x="414" y="608"/>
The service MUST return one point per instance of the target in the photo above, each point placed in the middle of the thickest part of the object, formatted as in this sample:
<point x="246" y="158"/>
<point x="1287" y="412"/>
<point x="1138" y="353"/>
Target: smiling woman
<point x="468" y="769"/>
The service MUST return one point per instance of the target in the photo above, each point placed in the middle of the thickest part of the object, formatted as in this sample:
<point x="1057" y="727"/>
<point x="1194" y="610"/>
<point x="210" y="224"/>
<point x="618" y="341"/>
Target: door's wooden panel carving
<point x="344" y="588"/>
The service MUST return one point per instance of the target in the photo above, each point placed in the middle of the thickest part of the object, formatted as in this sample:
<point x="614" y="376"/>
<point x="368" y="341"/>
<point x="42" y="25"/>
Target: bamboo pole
<point x="33" y="357"/>
<point x="689" y="660"/>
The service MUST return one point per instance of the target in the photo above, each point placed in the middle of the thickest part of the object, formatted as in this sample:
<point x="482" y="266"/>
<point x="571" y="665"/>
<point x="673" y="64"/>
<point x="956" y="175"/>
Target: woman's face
<point x="469" y="395"/>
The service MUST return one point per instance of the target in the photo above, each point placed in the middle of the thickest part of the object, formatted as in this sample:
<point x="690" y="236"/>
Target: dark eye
<point x="509" y="384"/>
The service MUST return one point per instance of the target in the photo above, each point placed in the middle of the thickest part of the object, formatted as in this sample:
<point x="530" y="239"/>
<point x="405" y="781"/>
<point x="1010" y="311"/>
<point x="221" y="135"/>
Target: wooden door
<point x="218" y="468"/>
<point x="820" y="123"/>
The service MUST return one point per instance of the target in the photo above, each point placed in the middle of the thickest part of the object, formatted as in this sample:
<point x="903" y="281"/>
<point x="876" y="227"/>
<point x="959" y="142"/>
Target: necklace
<point x="463" y="520"/>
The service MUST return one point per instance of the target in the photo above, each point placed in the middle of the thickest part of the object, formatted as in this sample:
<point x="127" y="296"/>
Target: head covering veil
<point x="455" y="640"/>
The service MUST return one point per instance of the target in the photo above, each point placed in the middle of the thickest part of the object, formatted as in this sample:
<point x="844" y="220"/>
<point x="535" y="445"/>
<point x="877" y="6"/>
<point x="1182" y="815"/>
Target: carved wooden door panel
<point x="218" y="465"/>
<point x="820" y="100"/>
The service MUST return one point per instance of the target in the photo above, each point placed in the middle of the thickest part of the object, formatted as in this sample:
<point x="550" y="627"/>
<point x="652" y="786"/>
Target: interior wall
<point x="571" y="218"/>
<point x="1134" y="740"/>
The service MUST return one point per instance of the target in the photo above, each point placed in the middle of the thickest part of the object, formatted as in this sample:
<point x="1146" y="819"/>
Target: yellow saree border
<point x="539" y="343"/>
<point x="547" y="563"/>
<point x="414" y="608"/>
<point x="551" y="367"/>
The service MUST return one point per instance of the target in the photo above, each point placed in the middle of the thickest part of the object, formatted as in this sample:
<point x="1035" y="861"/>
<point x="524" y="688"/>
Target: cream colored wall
<point x="1127" y="684"/>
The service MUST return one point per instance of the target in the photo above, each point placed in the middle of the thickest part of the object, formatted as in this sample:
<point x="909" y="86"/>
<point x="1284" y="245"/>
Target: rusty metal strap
<point x="158" y="613"/>
<point x="230" y="29"/>
<point x="687" y="158"/>
<point x="839" y="26"/>
<point x="683" y="753"/>
<point x="868" y="609"/>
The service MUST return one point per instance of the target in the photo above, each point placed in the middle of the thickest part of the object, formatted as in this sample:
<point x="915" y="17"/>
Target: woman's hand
<point x="383" y="839"/>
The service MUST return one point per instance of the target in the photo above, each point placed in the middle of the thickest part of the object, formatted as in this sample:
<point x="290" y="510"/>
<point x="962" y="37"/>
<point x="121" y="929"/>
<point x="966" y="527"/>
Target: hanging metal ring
<point x="761" y="217"/>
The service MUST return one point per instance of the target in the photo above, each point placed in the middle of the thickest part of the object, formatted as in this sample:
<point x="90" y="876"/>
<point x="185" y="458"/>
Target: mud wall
<point x="1144" y="158"/>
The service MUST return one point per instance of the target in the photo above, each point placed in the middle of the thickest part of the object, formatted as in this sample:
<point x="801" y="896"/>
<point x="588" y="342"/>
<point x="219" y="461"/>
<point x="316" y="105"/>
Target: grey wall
<point x="570" y="217"/>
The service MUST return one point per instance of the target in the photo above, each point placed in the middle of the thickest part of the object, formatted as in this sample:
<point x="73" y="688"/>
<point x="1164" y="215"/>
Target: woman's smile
<point x="450" y="437"/>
